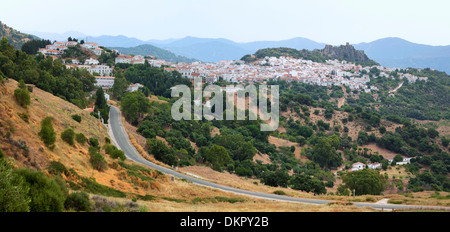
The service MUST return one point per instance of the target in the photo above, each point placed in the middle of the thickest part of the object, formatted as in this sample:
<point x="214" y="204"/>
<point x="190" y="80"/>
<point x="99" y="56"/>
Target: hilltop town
<point x="332" y="72"/>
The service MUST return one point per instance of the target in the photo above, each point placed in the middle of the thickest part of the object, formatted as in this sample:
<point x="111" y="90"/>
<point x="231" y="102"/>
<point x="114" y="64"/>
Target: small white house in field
<point x="374" y="166"/>
<point x="403" y="162"/>
<point x="357" y="166"/>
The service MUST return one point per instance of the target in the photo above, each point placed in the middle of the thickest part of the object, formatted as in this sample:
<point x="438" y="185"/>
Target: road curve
<point x="120" y="138"/>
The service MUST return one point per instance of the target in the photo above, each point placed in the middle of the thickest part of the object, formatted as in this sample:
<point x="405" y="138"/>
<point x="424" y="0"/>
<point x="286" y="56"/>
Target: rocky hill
<point x="16" y="38"/>
<point x="347" y="52"/>
<point x="344" y="52"/>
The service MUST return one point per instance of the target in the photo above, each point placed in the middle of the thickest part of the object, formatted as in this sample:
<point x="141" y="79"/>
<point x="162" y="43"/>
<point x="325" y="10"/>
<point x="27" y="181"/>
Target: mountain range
<point x="390" y="52"/>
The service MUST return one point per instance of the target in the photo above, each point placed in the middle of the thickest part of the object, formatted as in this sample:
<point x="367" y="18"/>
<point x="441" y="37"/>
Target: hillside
<point x="16" y="38"/>
<point x="344" y="52"/>
<point x="147" y="49"/>
<point x="115" y="187"/>
<point x="313" y="117"/>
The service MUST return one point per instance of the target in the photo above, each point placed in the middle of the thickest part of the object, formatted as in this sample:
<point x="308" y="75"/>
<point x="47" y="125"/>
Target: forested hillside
<point x="47" y="74"/>
<point x="343" y="52"/>
<point x="16" y="38"/>
<point x="330" y="138"/>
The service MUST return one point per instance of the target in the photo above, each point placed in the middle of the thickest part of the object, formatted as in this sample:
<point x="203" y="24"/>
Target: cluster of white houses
<point x="58" y="48"/>
<point x="359" y="166"/>
<point x="127" y="59"/>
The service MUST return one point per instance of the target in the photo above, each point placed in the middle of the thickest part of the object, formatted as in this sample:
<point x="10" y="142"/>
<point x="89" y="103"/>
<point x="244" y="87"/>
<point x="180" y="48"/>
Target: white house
<point x="134" y="87"/>
<point x="374" y="166"/>
<point x="357" y="166"/>
<point x="91" y="61"/>
<point x="103" y="70"/>
<point x="70" y="43"/>
<point x="97" y="51"/>
<point x="403" y="162"/>
<point x="106" y="82"/>
<point x="124" y="59"/>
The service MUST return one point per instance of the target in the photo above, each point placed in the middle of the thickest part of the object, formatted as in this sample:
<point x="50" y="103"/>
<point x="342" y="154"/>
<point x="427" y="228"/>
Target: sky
<point x="327" y="21"/>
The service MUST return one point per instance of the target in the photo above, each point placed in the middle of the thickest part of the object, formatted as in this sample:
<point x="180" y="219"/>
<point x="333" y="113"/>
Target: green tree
<point x="162" y="152"/>
<point x="47" y="132"/>
<point x="13" y="189"/>
<point x="276" y="178"/>
<point x="306" y="183"/>
<point x="366" y="181"/>
<point x="324" y="152"/>
<point x="22" y="97"/>
<point x="120" y="86"/>
<point x="68" y="136"/>
<point x="218" y="157"/>
<point x="45" y="193"/>
<point x="134" y="106"/>
<point x="78" y="201"/>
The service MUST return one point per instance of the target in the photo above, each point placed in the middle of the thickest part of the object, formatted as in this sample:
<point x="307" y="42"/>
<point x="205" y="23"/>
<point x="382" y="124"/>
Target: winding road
<point x="120" y="138"/>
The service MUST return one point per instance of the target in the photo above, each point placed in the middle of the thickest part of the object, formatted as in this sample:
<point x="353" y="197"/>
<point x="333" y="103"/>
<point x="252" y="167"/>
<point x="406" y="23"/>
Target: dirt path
<point x="398" y="87"/>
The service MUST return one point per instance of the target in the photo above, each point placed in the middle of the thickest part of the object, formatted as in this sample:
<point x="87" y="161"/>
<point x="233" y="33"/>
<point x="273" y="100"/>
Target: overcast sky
<point x="333" y="22"/>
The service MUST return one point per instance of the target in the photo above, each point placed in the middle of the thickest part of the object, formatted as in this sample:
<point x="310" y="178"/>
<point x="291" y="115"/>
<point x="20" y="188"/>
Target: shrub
<point x="76" y="117"/>
<point x="68" y="136"/>
<point x="56" y="168"/>
<point x="78" y="201"/>
<point x="14" y="192"/>
<point x="23" y="97"/>
<point x="45" y="193"/>
<point x="98" y="162"/>
<point x="94" y="142"/>
<point x="80" y="138"/>
<point x="47" y="133"/>
<point x="118" y="154"/>
<point x="24" y="117"/>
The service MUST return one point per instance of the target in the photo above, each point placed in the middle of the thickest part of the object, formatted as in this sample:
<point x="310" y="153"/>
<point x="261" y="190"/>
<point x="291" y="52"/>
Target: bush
<point x="80" y="138"/>
<point x="76" y="117"/>
<point x="118" y="154"/>
<point x="78" y="201"/>
<point x="56" y="168"/>
<point x="68" y="136"/>
<point x="94" y="142"/>
<point x="23" y="97"/>
<point x="366" y="181"/>
<point x="14" y="192"/>
<point x="45" y="193"/>
<point x="24" y="117"/>
<point x="98" y="162"/>
<point x="47" y="133"/>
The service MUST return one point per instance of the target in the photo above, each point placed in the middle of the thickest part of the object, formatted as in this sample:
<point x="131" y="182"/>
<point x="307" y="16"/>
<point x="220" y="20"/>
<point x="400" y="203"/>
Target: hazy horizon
<point x="325" y="21"/>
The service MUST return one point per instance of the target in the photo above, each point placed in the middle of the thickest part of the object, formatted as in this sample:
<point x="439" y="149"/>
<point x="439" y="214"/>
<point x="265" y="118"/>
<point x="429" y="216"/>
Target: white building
<point x="104" y="81"/>
<point x="374" y="166"/>
<point x="134" y="87"/>
<point x="124" y="59"/>
<point x="357" y="166"/>
<point x="103" y="70"/>
<point x="91" y="61"/>
<point x="97" y="51"/>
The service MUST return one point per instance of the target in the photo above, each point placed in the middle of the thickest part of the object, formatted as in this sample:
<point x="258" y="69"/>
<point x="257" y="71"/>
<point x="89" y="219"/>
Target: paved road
<point x="121" y="140"/>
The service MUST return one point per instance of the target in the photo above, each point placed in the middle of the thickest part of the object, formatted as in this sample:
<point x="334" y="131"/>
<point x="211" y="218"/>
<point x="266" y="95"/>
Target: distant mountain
<point x="397" y="52"/>
<point x="58" y="36"/>
<point x="213" y="50"/>
<point x="296" y="43"/>
<point x="148" y="49"/>
<point x="390" y="52"/>
<point x="16" y="38"/>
